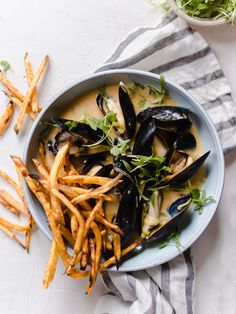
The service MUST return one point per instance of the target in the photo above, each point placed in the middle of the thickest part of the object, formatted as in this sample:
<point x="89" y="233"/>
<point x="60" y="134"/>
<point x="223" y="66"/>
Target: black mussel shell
<point x="164" y="113"/>
<point x="144" y="138"/>
<point x="128" y="110"/>
<point x="185" y="141"/>
<point x="167" y="137"/>
<point x="104" y="171"/>
<point x="176" y="210"/>
<point x="81" y="129"/>
<point x="127" y="213"/>
<point x="188" y="172"/>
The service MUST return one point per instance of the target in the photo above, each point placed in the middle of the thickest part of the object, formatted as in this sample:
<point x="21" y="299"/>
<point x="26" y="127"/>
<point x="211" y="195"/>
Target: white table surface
<point x="78" y="35"/>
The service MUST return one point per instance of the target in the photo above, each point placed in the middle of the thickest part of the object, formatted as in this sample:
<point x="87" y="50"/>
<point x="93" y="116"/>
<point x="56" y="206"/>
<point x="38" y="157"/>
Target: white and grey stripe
<point x="184" y="56"/>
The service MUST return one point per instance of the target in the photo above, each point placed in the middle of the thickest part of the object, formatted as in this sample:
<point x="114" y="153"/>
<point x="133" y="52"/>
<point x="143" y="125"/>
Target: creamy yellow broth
<point x="86" y="104"/>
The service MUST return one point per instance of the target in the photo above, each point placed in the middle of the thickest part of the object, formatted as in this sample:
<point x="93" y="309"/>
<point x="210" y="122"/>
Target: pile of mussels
<point x="171" y="124"/>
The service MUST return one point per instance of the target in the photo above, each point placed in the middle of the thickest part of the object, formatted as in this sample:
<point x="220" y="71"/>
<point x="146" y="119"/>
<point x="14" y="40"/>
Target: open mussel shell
<point x="127" y="108"/>
<point x="81" y="136"/>
<point x="81" y="129"/>
<point x="106" y="104"/>
<point x="144" y="138"/>
<point x="187" y="172"/>
<point x="176" y="210"/>
<point x="185" y="141"/>
<point x="169" y="118"/>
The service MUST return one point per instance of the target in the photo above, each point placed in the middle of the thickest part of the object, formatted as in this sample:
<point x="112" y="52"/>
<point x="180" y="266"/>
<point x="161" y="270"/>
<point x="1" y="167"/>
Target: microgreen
<point x="210" y="9"/>
<point x="173" y="238"/>
<point x="71" y="124"/>
<point x="5" y="65"/>
<point x="120" y="148"/>
<point x="200" y="199"/>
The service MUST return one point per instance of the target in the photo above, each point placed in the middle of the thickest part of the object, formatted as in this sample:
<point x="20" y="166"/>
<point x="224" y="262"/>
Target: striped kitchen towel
<point x="183" y="56"/>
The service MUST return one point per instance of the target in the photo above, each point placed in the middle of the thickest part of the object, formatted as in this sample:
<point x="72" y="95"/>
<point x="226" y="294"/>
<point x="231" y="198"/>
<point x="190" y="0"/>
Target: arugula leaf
<point x="5" y="65"/>
<point x="173" y="238"/>
<point x="120" y="148"/>
<point x="200" y="199"/>
<point x="71" y="124"/>
<point x="105" y="123"/>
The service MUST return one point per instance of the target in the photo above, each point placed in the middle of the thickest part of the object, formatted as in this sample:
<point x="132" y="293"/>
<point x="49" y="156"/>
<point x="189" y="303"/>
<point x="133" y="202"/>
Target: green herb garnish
<point x="71" y="124"/>
<point x="149" y="172"/>
<point x="200" y="199"/>
<point x="142" y="103"/>
<point x="120" y="148"/>
<point x="5" y="65"/>
<point x="209" y="9"/>
<point x="173" y="238"/>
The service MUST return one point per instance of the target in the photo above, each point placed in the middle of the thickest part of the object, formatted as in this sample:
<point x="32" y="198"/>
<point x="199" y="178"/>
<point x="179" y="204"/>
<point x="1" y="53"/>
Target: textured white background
<point x="78" y="35"/>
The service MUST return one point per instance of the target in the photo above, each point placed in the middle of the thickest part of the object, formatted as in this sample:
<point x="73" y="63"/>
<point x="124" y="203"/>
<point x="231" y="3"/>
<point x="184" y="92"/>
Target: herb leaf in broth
<point x="120" y="148"/>
<point x="173" y="238"/>
<point x="200" y="199"/>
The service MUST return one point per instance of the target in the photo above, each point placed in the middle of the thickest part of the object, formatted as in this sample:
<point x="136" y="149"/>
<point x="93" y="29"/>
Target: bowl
<point x="192" y="225"/>
<point x="195" y="20"/>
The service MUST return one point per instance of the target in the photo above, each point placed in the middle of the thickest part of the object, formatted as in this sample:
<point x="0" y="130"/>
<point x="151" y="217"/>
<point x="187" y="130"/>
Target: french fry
<point x="53" y="180"/>
<point x="10" y="225"/>
<point x="6" y="118"/>
<point x="10" y="234"/>
<point x="92" y="267"/>
<point x="74" y="226"/>
<point x="42" y="156"/>
<point x="41" y="169"/>
<point x="91" y="217"/>
<point x="10" y="87"/>
<point x="76" y="274"/>
<point x="19" y="104"/>
<point x="11" y="182"/>
<point x="51" y="265"/>
<point x="84" y="179"/>
<point x="98" y="253"/>
<point x="85" y="251"/>
<point x="34" y="187"/>
<point x="117" y="248"/>
<point x="11" y="201"/>
<point x="105" y="222"/>
<point x="67" y="235"/>
<point x="28" y="234"/>
<point x="125" y="251"/>
<point x="98" y="191"/>
<point x="29" y="93"/>
<point x="73" y="209"/>
<point x="12" y="209"/>
<point x="29" y="74"/>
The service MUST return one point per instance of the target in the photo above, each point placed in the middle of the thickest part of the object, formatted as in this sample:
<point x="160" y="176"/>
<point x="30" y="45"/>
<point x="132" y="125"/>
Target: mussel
<point x="170" y="118"/>
<point x="128" y="110"/>
<point x="183" y="168"/>
<point x="156" y="218"/>
<point x="174" y="215"/>
<point x="80" y="135"/>
<point x="126" y="217"/>
<point x="144" y="138"/>
<point x="125" y="113"/>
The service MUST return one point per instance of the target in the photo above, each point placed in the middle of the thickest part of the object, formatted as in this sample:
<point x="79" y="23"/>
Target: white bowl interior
<point x="192" y="224"/>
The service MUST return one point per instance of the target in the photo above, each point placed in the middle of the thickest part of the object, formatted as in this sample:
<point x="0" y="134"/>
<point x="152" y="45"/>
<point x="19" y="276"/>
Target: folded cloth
<point x="183" y="56"/>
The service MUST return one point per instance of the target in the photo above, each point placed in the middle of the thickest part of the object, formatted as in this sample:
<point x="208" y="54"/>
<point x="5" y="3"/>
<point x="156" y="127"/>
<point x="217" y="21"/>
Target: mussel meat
<point x="184" y="169"/>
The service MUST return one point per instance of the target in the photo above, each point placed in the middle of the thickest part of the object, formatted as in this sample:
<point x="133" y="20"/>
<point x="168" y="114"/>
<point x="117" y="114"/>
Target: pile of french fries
<point x="76" y="216"/>
<point x="17" y="208"/>
<point x="28" y="103"/>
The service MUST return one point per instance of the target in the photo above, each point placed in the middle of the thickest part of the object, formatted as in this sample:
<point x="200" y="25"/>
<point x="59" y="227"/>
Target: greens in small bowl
<point x="205" y="12"/>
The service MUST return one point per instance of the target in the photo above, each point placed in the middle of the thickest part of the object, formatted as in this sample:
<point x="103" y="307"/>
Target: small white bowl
<point x="195" y="20"/>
